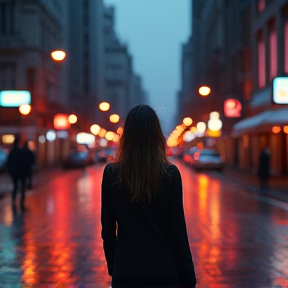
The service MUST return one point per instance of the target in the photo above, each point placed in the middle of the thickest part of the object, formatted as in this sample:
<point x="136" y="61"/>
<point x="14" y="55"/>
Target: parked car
<point x="3" y="159"/>
<point x="77" y="159"/>
<point x="188" y="155"/>
<point x="207" y="159"/>
<point x="106" y="155"/>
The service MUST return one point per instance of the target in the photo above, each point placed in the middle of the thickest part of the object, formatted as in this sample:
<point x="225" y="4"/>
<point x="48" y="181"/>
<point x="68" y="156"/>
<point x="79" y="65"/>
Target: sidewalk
<point x="40" y="177"/>
<point x="278" y="186"/>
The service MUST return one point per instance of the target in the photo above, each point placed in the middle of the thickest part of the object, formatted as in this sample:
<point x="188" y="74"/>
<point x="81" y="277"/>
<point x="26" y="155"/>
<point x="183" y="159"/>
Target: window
<point x="261" y="61"/>
<point x="86" y="75"/>
<point x="7" y="76"/>
<point x="7" y="16"/>
<point x="286" y="46"/>
<point x="272" y="52"/>
<point x="86" y="38"/>
<point x="261" y="5"/>
<point x="85" y="4"/>
<point x="31" y="79"/>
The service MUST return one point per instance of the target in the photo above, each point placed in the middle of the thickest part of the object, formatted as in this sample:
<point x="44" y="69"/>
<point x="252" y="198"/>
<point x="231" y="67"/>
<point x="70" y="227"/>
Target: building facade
<point x="123" y="87"/>
<point x="84" y="66"/>
<point x="267" y="124"/>
<point x="238" y="47"/>
<point x="29" y="31"/>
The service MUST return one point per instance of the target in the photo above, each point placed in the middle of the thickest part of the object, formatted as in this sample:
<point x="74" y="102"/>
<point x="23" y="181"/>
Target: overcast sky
<point x="154" y="31"/>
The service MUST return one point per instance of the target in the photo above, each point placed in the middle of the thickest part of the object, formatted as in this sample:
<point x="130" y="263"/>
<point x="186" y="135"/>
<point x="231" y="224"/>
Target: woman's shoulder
<point x="110" y="168"/>
<point x="172" y="171"/>
<point x="172" y="168"/>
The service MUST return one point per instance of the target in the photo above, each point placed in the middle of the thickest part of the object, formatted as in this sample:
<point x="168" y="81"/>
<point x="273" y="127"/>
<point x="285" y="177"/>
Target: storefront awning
<point x="262" y="122"/>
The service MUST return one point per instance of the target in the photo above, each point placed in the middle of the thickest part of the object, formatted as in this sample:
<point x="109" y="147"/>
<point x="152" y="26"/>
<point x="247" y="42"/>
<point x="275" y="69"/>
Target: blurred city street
<point x="238" y="238"/>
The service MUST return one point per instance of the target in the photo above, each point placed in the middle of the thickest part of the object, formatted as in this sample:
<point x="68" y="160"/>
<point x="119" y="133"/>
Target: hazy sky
<point x="154" y="31"/>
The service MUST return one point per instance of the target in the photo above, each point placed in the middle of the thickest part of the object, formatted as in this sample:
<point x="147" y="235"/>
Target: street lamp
<point x="109" y="135"/>
<point x="58" y="55"/>
<point x="187" y="121"/>
<point x="25" y="109"/>
<point x="72" y="119"/>
<point x="201" y="127"/>
<point x="104" y="106"/>
<point x="114" y="118"/>
<point x="204" y="91"/>
<point x="95" y="129"/>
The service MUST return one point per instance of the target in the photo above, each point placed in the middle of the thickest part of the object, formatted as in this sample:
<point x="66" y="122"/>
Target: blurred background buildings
<point x="97" y="67"/>
<point x="237" y="48"/>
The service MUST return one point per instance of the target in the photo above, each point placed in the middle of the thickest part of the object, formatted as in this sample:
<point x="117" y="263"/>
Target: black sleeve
<point x="108" y="221"/>
<point x="179" y="233"/>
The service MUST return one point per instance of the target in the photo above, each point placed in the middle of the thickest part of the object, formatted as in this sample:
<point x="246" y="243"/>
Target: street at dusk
<point x="237" y="238"/>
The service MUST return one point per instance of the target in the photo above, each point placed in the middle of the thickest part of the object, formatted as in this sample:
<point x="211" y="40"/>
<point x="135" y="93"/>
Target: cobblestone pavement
<point x="237" y="239"/>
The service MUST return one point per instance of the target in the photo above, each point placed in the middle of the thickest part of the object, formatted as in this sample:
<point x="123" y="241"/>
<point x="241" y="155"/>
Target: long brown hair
<point x="141" y="155"/>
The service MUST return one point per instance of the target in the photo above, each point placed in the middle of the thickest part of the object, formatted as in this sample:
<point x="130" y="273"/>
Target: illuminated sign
<point x="280" y="90"/>
<point x="232" y="108"/>
<point x="61" y="122"/>
<point x="51" y="135"/>
<point x="14" y="98"/>
<point x="8" y="139"/>
<point x="85" y="138"/>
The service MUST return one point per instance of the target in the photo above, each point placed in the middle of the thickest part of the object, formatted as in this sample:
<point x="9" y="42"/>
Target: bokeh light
<point x="109" y="135"/>
<point x="201" y="127"/>
<point x="25" y="109"/>
<point x="276" y="129"/>
<point x="72" y="119"/>
<point x="215" y="124"/>
<point x="104" y="106"/>
<point x="204" y="90"/>
<point x="114" y="118"/>
<point x="95" y="129"/>
<point x="187" y="121"/>
<point x="58" y="55"/>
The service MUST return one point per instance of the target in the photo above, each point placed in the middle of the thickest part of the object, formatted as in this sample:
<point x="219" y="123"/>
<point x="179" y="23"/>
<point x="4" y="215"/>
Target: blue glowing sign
<point x="280" y="90"/>
<point x="14" y="98"/>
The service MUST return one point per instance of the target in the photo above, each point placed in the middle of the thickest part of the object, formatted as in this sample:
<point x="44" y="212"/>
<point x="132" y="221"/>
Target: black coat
<point x="20" y="162"/>
<point x="146" y="245"/>
<point x="264" y="165"/>
<point x="14" y="161"/>
<point x="28" y="161"/>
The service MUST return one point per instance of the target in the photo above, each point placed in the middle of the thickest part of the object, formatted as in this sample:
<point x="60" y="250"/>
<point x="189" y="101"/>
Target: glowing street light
<point x="95" y="129"/>
<point x="214" y="115"/>
<point x="114" y="118"/>
<point x="201" y="127"/>
<point x="204" y="91"/>
<point x="215" y="124"/>
<point x="120" y="131"/>
<point x="187" y="121"/>
<point x="72" y="119"/>
<point x="58" y="55"/>
<point x="104" y="106"/>
<point x="102" y="132"/>
<point x="276" y="129"/>
<point x="25" y="109"/>
<point x="109" y="135"/>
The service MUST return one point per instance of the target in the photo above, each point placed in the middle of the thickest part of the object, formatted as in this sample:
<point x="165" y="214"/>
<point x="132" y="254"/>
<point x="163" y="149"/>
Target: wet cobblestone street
<point x="237" y="239"/>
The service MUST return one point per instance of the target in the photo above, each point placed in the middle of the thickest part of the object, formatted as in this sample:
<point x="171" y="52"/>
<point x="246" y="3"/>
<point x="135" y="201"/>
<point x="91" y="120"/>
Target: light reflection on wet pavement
<point x="236" y="240"/>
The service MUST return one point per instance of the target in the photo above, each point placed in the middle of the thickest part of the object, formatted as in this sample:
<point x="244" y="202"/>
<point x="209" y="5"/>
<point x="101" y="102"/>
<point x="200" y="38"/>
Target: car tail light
<point x="196" y="156"/>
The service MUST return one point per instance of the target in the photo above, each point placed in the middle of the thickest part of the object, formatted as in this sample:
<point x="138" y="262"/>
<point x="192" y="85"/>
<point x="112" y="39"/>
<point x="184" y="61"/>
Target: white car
<point x="207" y="159"/>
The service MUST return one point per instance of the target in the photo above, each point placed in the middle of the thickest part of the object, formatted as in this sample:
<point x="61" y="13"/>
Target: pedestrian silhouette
<point x="29" y="164"/>
<point x="264" y="169"/>
<point x="143" y="225"/>
<point x="15" y="167"/>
